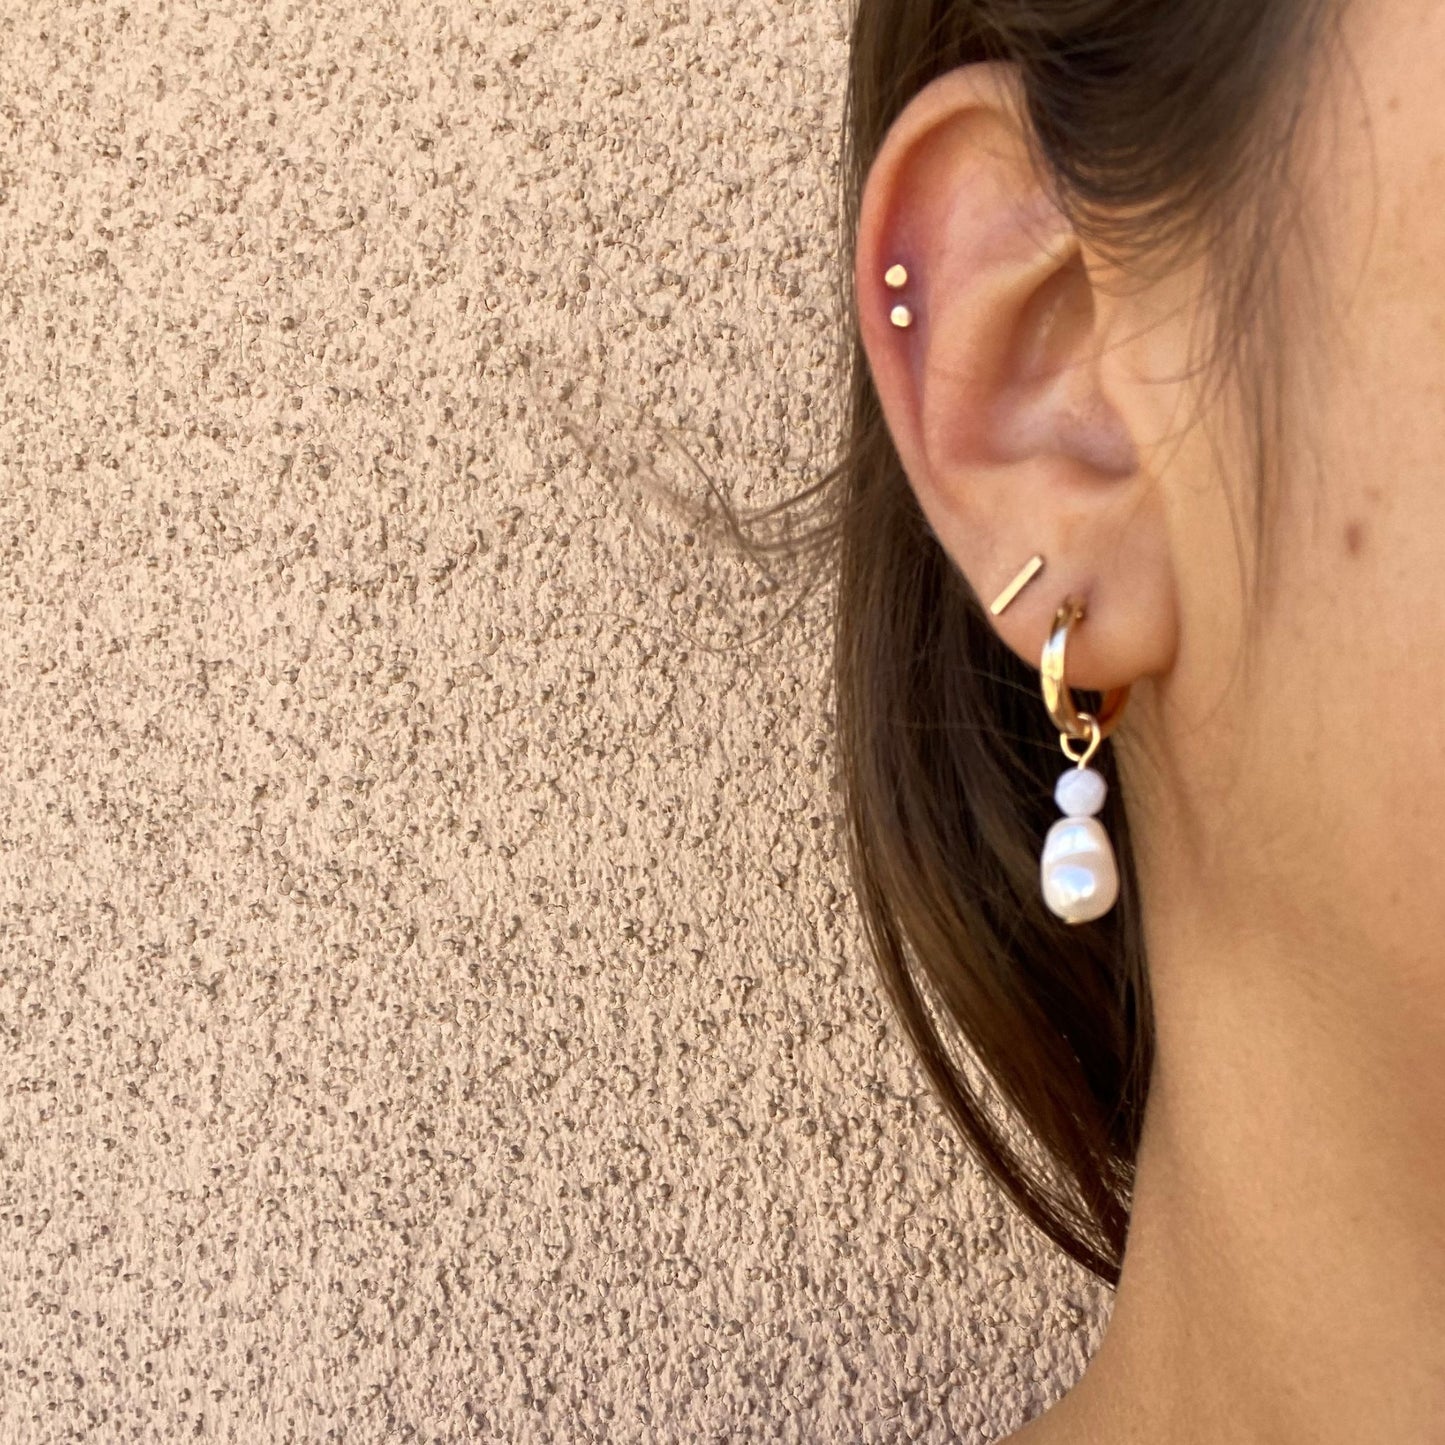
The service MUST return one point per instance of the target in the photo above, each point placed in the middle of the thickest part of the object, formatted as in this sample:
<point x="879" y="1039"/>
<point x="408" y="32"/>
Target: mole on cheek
<point x="1355" y="538"/>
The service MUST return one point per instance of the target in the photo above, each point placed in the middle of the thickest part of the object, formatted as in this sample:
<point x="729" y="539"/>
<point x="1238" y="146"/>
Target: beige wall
<point x="433" y="1003"/>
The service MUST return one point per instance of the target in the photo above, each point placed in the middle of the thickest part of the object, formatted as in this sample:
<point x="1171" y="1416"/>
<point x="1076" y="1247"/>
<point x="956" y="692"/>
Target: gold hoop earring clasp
<point x="1072" y="724"/>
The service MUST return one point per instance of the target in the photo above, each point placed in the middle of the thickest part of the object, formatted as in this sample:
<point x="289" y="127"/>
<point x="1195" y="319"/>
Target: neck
<point x="1285" y="1273"/>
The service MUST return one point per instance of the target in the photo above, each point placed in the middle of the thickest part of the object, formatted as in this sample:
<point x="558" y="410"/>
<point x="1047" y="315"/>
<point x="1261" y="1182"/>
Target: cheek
<point x="1345" y="742"/>
<point x="1367" y="290"/>
<point x="1311" y="784"/>
<point x="1332" y="775"/>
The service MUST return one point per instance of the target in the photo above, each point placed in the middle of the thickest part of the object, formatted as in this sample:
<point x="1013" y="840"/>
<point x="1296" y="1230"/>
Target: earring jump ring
<point x="1058" y="697"/>
<point x="1096" y="741"/>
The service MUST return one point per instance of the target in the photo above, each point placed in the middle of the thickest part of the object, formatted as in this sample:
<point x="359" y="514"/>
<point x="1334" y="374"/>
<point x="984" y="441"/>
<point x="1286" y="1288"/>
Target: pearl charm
<point x="1078" y="870"/>
<point x="1080" y="793"/>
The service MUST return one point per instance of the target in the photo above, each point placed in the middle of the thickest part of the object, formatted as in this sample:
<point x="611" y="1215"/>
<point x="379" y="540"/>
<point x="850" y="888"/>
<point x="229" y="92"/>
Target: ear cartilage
<point x="896" y="277"/>
<point x="901" y="316"/>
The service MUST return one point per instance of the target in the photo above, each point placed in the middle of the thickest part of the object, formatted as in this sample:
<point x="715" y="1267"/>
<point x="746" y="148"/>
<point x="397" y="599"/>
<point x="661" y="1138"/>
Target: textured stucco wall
<point x="433" y="1005"/>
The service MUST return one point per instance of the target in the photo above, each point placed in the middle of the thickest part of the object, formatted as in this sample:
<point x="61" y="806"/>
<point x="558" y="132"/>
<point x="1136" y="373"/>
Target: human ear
<point x="1014" y="428"/>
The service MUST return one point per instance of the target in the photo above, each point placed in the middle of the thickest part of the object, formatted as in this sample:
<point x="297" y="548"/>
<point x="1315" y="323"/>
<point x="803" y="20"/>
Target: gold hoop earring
<point x="1078" y="871"/>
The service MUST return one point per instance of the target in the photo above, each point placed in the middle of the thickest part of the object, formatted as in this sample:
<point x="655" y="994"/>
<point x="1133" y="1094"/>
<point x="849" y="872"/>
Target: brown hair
<point x="1161" y="126"/>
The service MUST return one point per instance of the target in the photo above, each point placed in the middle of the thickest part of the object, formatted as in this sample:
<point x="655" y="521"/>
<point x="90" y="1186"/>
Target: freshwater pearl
<point x="1078" y="870"/>
<point x="1081" y="792"/>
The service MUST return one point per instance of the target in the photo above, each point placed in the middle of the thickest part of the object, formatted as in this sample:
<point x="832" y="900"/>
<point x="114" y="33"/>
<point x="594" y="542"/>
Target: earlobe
<point x="993" y="384"/>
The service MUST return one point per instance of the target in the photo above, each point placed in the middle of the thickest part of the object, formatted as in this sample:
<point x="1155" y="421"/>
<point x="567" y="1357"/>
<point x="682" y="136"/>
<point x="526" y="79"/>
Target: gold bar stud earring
<point x="1004" y="600"/>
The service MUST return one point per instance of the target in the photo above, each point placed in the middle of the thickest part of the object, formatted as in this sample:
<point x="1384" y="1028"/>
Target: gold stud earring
<point x="1031" y="569"/>
<point x="895" y="278"/>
